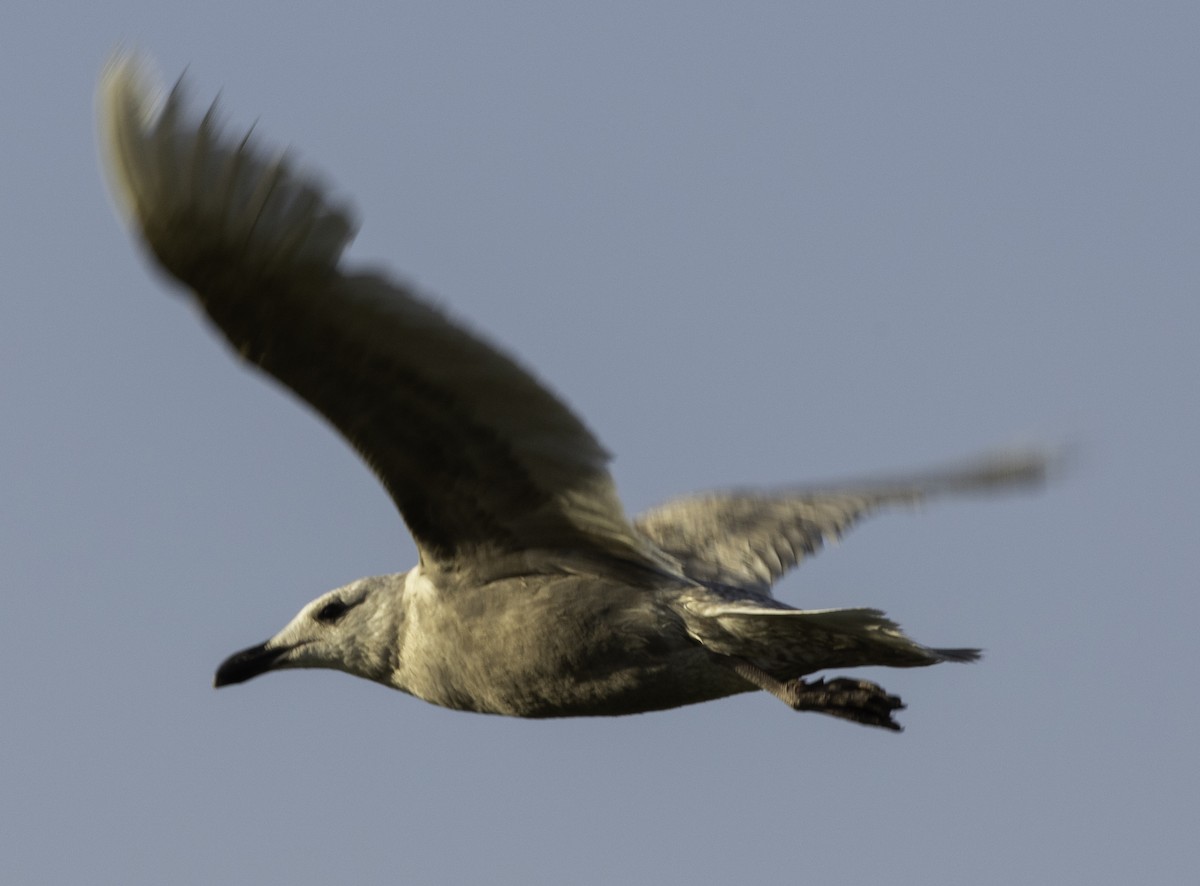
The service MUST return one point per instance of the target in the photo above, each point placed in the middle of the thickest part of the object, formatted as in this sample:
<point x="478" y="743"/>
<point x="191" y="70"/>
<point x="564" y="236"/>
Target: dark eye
<point x="331" y="611"/>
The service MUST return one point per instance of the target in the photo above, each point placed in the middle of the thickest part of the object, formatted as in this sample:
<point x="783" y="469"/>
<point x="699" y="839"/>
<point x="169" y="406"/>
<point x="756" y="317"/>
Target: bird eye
<point x="332" y="611"/>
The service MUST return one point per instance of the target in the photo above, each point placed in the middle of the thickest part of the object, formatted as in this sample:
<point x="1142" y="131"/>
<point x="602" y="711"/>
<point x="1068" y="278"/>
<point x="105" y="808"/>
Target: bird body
<point x="534" y="595"/>
<point x="577" y="645"/>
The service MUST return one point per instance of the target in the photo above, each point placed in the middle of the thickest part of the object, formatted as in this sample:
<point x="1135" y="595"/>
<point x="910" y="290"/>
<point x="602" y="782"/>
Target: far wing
<point x="748" y="540"/>
<point x="478" y="456"/>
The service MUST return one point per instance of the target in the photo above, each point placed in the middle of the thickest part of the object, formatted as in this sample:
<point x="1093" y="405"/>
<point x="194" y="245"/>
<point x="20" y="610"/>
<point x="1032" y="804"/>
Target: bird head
<point x="354" y="628"/>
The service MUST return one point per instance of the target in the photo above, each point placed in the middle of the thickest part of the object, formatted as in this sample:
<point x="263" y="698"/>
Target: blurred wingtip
<point x="129" y="98"/>
<point x="1034" y="466"/>
<point x="1016" y="467"/>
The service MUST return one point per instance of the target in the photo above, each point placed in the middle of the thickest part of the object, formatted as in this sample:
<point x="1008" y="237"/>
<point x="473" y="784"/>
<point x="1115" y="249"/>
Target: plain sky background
<point x="751" y="244"/>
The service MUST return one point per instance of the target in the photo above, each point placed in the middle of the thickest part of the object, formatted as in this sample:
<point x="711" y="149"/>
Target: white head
<point x="355" y="628"/>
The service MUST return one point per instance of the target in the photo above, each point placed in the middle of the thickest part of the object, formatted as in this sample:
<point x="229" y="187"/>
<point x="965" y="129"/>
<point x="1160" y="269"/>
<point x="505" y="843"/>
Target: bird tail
<point x="860" y="636"/>
<point x="194" y="193"/>
<point x="790" y="643"/>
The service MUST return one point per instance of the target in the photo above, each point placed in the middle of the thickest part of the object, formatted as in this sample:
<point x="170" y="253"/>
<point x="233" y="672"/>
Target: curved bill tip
<point x="242" y="666"/>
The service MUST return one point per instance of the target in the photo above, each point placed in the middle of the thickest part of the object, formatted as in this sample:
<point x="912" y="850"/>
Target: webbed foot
<point x="857" y="700"/>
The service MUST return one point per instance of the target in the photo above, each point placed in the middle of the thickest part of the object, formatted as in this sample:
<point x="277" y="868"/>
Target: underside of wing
<point x="478" y="456"/>
<point x="749" y="540"/>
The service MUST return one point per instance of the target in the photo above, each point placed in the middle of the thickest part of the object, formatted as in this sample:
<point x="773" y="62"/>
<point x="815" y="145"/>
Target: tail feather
<point x="790" y="643"/>
<point x="960" y="655"/>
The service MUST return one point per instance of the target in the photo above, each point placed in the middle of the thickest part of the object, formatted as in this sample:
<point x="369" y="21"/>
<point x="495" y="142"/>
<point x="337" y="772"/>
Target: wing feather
<point x="478" y="456"/>
<point x="749" y="540"/>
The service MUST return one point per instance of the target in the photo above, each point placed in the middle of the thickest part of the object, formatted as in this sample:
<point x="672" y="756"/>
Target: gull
<point x="533" y="595"/>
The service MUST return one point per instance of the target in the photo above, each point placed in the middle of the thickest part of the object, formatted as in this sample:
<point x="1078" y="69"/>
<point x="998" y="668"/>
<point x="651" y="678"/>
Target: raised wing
<point x="477" y="455"/>
<point x="748" y="540"/>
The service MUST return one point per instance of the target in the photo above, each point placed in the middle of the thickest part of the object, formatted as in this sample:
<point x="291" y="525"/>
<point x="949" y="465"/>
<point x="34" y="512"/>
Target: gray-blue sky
<point x="751" y="244"/>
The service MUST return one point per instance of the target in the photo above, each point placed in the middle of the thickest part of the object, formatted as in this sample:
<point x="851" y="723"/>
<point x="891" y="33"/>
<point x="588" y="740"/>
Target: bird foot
<point x="857" y="700"/>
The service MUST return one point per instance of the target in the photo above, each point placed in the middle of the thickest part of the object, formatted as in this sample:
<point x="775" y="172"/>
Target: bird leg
<point x="858" y="700"/>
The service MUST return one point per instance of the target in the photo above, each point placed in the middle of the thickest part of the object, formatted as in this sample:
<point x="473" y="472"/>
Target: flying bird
<point x="534" y="595"/>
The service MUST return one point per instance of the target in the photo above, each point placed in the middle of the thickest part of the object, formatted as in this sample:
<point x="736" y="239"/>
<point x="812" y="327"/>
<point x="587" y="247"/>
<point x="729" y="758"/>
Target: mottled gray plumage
<point x="534" y="595"/>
